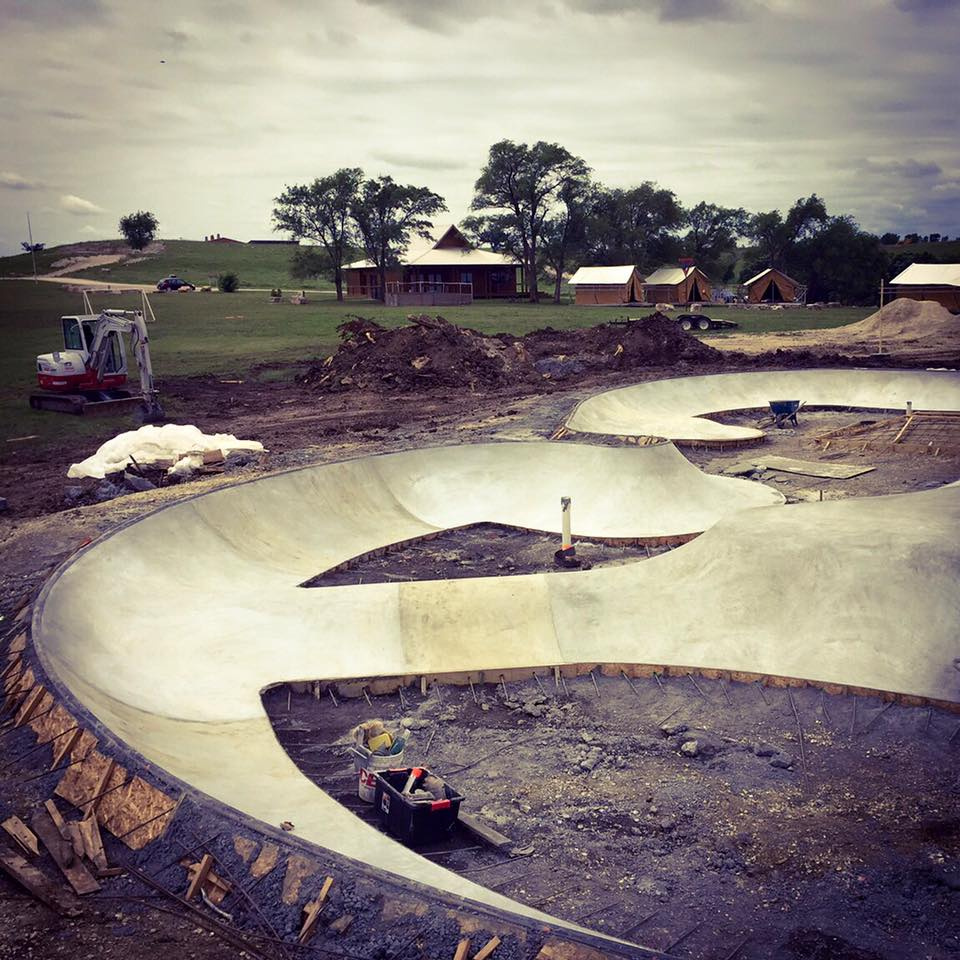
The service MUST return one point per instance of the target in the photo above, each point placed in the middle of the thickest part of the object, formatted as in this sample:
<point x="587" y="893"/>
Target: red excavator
<point x="89" y="375"/>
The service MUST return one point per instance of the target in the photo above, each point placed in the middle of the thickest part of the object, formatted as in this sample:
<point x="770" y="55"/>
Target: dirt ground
<point x="859" y="847"/>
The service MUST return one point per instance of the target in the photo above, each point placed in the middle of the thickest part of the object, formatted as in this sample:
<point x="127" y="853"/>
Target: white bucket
<point x="367" y="764"/>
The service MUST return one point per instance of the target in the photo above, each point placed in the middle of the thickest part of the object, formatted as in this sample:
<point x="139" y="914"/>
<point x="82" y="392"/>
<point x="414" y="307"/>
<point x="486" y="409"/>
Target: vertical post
<point x="880" y="345"/>
<point x="567" y="541"/>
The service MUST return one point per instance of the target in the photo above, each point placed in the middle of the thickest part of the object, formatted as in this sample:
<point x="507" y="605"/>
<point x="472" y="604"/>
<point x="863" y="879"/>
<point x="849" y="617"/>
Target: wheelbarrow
<point x="784" y="411"/>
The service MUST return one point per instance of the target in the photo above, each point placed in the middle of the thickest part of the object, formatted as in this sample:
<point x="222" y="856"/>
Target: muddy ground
<point x="859" y="847"/>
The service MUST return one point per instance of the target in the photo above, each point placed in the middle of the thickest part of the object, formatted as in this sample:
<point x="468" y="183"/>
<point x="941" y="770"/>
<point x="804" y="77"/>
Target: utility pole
<point x="880" y="345"/>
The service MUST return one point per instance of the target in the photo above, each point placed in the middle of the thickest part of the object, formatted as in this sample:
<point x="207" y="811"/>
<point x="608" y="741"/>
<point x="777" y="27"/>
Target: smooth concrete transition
<point x="676" y="409"/>
<point x="168" y="629"/>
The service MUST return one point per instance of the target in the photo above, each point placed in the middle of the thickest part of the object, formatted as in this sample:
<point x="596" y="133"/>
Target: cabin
<point x="607" y="285"/>
<point x="444" y="269"/>
<point x="929" y="281"/>
<point x="773" y="286"/>
<point x="686" y="284"/>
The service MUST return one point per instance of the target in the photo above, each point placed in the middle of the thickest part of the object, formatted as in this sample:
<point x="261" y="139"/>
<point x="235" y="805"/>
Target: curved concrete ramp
<point x="858" y="592"/>
<point x="119" y="625"/>
<point x="675" y="409"/>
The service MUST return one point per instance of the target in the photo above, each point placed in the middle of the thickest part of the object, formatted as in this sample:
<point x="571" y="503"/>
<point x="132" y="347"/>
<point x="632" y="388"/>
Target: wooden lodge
<point x="929" y="281"/>
<point x="772" y="286"/>
<point x="607" y="285"/>
<point x="437" y="272"/>
<point x="677" y="285"/>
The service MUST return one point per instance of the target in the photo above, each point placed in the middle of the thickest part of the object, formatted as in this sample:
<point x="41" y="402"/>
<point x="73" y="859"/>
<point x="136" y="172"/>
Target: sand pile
<point x="430" y="351"/>
<point x="903" y="320"/>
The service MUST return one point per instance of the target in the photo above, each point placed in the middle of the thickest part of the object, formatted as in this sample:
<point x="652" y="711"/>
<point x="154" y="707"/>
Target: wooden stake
<point x="463" y="948"/>
<point x="206" y="862"/>
<point x="487" y="949"/>
<point x="25" y="837"/>
<point x="312" y="912"/>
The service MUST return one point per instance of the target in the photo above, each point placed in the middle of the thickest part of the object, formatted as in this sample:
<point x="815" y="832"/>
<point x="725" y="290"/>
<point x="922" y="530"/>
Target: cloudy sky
<point x="201" y="112"/>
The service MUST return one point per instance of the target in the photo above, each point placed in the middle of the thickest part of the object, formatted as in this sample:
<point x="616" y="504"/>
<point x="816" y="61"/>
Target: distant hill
<point x="945" y="252"/>
<point x="194" y="260"/>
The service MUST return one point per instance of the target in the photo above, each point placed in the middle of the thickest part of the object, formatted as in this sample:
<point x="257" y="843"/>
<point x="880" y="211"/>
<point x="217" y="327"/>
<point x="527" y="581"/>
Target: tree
<point x="840" y="262"/>
<point x="322" y="211"/>
<point x="523" y="183"/>
<point x="775" y="235"/>
<point x="564" y="234"/>
<point x="713" y="233"/>
<point x="386" y="213"/>
<point x="308" y="263"/>
<point x="889" y="239"/>
<point x="634" y="226"/>
<point x="138" y="228"/>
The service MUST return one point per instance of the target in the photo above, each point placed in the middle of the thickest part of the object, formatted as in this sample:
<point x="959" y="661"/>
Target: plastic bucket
<point x="367" y="766"/>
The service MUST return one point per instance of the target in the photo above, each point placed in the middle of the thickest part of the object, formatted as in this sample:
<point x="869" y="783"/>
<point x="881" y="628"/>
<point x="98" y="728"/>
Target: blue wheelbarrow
<point x="784" y="411"/>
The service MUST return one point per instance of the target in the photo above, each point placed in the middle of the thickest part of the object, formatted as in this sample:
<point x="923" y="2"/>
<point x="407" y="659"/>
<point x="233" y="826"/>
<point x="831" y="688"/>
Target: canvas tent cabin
<point x="444" y="269"/>
<point x="929" y="281"/>
<point x="677" y="285"/>
<point x="772" y="286"/>
<point x="607" y="285"/>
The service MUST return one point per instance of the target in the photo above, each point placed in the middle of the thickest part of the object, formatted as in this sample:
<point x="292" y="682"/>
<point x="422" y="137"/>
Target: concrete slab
<point x="168" y="629"/>
<point x="676" y="408"/>
<point x="813" y="468"/>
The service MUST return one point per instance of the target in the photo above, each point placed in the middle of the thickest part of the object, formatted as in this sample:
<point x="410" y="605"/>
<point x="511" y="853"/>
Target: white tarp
<point x="151" y="443"/>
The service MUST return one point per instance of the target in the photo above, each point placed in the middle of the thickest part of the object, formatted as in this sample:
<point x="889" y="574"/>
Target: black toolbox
<point x="414" y="821"/>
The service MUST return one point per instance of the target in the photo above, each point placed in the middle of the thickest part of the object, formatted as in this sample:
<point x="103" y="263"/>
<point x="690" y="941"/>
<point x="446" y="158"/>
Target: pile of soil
<point x="431" y="351"/>
<point x="905" y="320"/>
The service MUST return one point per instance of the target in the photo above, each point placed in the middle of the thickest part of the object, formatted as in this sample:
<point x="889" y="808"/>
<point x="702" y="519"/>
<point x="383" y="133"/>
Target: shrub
<point x="228" y="282"/>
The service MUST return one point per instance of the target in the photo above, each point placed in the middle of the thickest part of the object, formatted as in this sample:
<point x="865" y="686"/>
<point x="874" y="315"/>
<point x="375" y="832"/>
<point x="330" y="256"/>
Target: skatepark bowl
<point x="127" y="654"/>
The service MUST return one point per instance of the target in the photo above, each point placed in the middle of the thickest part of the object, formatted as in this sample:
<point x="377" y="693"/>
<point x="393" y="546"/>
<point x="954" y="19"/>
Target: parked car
<point x="174" y="282"/>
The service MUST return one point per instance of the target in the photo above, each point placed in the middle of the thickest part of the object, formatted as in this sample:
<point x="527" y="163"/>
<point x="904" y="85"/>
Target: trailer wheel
<point x="703" y="324"/>
<point x="686" y="325"/>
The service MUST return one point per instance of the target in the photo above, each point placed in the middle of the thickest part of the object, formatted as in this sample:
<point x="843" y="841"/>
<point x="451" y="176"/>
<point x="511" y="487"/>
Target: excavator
<point x="89" y="375"/>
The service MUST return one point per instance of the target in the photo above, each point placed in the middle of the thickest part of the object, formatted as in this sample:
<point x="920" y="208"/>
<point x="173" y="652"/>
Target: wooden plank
<point x="93" y="842"/>
<point x="64" y="747"/>
<point x="487" y="834"/>
<point x="463" y="948"/>
<point x="312" y="912"/>
<point x="101" y="786"/>
<point x="25" y="837"/>
<point x="206" y="862"/>
<point x="29" y="706"/>
<point x="76" y="841"/>
<point x="487" y="949"/>
<point x="76" y="873"/>
<point x="36" y="883"/>
<point x="58" y="820"/>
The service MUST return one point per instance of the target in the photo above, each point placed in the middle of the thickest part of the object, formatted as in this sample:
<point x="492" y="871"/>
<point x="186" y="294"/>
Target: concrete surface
<point x="675" y="409"/>
<point x="168" y="629"/>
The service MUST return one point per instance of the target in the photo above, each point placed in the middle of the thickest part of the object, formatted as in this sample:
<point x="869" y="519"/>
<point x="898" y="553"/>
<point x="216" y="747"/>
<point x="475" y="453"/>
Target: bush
<point x="228" y="282"/>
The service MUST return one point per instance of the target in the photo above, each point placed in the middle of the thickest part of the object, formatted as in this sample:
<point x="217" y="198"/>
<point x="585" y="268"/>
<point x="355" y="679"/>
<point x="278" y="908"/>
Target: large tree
<point x="635" y="225"/>
<point x="517" y="189"/>
<point x="138" y="228"/>
<point x="322" y="211"/>
<point x="565" y="233"/>
<point x="713" y="233"/>
<point x="840" y="262"/>
<point x="386" y="214"/>
<point x="776" y="235"/>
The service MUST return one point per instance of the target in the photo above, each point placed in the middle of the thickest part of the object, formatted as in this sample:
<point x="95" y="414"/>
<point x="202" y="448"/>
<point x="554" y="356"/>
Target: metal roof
<point x="423" y="252"/>
<point x="929" y="274"/>
<point x="603" y="275"/>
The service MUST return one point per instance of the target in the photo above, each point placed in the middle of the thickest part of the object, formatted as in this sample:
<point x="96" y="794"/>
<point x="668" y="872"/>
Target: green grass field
<point x="226" y="335"/>
<point x="196" y="261"/>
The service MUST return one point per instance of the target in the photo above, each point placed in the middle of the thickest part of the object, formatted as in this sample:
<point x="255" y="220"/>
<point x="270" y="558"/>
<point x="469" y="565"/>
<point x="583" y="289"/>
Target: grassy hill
<point x="945" y="252"/>
<point x="194" y="260"/>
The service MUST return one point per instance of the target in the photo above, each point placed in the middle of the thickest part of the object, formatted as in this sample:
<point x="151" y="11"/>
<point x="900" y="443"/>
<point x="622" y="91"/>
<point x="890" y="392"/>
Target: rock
<point x="690" y="749"/>
<point x="589" y="762"/>
<point x="105" y="490"/>
<point x="783" y="763"/>
<point x="765" y="750"/>
<point x="674" y="729"/>
<point x="138" y="484"/>
<point x="74" y="496"/>
<point x="240" y="458"/>
<point x="586" y="736"/>
<point x="533" y="710"/>
<point x="484" y="706"/>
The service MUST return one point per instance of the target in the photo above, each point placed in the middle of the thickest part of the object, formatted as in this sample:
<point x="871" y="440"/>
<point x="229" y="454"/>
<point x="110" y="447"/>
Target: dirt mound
<point x="430" y="351"/>
<point x="905" y="320"/>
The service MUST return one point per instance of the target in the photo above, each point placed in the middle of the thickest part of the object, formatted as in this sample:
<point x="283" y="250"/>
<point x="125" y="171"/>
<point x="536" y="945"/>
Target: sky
<point x="203" y="112"/>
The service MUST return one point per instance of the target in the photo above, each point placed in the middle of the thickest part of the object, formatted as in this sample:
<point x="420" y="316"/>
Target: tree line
<point x="542" y="205"/>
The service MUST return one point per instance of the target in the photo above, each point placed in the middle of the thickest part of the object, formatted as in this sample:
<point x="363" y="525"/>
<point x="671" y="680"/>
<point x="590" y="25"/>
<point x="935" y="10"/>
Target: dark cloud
<point x="925" y="6"/>
<point x="670" y="10"/>
<point x="415" y="162"/>
<point x="908" y="169"/>
<point x="53" y="12"/>
<point x="13" y="181"/>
